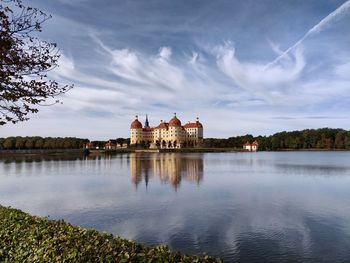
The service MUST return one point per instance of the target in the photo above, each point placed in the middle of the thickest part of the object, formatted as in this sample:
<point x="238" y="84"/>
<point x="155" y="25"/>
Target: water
<point x="242" y="207"/>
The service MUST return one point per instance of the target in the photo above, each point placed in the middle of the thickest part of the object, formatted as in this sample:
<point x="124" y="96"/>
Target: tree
<point x="67" y="144"/>
<point x="25" y="61"/>
<point x="19" y="143"/>
<point x="30" y="143"/>
<point x="120" y="141"/>
<point x="340" y="140"/>
<point x="9" y="143"/>
<point x="347" y="140"/>
<point x="39" y="143"/>
<point x="48" y="143"/>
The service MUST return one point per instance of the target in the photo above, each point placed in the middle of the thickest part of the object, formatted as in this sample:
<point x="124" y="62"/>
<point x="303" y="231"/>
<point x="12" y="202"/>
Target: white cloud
<point x="165" y="52"/>
<point x="212" y="83"/>
<point x="194" y="58"/>
<point x="229" y="89"/>
<point x="343" y="70"/>
<point x="141" y="70"/>
<point x="267" y="83"/>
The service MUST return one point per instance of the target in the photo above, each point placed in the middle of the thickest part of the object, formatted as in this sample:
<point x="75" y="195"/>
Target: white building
<point x="167" y="134"/>
<point x="251" y="147"/>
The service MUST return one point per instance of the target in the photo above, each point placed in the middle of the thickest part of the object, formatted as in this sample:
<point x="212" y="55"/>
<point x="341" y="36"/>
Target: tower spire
<point x="146" y="122"/>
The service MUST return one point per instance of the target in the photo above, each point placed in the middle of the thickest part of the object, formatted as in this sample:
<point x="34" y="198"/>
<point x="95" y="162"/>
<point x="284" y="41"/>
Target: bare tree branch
<point x="24" y="62"/>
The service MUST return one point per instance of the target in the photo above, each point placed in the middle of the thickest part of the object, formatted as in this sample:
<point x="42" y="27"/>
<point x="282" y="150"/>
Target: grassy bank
<point x="26" y="238"/>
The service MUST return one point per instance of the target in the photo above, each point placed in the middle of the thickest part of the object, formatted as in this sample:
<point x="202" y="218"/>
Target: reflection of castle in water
<point x="168" y="167"/>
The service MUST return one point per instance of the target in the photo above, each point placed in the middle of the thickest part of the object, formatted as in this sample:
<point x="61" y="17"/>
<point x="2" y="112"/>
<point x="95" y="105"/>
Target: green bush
<point x="26" y="238"/>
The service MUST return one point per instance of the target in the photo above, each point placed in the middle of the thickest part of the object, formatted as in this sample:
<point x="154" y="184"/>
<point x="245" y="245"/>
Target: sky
<point x="242" y="67"/>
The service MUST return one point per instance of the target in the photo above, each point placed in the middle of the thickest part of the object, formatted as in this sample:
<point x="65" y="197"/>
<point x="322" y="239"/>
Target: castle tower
<point x="146" y="122"/>
<point x="135" y="131"/>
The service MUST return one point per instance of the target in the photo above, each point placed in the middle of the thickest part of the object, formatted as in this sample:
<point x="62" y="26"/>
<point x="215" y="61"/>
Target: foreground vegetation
<point x="26" y="238"/>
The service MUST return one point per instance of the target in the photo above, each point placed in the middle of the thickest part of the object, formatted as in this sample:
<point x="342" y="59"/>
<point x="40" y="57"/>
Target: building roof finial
<point x="136" y="117"/>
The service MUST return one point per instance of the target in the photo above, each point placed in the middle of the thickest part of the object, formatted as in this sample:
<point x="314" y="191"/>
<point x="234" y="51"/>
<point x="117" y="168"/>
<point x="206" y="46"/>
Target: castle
<point x="167" y="134"/>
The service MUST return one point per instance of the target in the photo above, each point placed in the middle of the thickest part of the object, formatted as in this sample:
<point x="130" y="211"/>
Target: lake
<point x="242" y="207"/>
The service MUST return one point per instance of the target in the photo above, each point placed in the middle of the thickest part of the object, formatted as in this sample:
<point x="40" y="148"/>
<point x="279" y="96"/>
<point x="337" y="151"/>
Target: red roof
<point x="255" y="143"/>
<point x="196" y="124"/>
<point x="175" y="122"/>
<point x="162" y="125"/>
<point x="136" y="124"/>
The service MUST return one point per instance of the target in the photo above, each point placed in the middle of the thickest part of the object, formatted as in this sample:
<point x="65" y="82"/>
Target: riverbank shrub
<point x="26" y="238"/>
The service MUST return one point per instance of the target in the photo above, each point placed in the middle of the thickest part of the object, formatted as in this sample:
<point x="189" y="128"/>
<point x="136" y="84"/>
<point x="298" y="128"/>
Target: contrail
<point x="341" y="10"/>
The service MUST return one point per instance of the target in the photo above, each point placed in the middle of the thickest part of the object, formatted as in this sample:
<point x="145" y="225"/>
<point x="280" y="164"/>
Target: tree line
<point x="325" y="138"/>
<point x="36" y="142"/>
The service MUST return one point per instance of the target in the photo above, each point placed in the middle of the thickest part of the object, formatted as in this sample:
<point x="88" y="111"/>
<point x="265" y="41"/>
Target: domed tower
<point x="175" y="132"/>
<point x="175" y="122"/>
<point x="135" y="131"/>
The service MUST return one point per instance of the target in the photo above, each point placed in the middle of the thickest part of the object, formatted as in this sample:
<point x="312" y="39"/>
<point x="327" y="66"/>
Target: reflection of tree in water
<point x="168" y="167"/>
<point x="40" y="158"/>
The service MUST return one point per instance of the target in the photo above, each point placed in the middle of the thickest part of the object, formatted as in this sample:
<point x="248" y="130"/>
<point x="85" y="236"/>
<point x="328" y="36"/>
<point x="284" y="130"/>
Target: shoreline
<point x="28" y="238"/>
<point x="84" y="152"/>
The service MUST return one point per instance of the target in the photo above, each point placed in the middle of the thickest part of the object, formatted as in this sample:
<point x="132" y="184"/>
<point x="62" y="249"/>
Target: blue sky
<point x="223" y="61"/>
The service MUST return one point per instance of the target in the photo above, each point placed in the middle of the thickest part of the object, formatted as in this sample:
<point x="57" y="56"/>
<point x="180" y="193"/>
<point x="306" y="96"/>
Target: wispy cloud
<point x="329" y="19"/>
<point x="125" y="64"/>
<point x="343" y="71"/>
<point x="309" y="117"/>
<point x="254" y="77"/>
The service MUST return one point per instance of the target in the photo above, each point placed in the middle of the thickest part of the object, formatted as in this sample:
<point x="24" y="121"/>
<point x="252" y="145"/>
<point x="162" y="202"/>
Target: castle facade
<point x="167" y="134"/>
